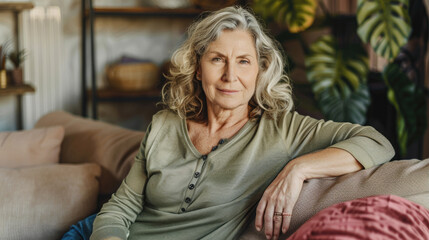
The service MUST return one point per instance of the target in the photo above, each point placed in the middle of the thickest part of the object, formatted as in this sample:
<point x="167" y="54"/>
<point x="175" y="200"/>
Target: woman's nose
<point x="230" y="73"/>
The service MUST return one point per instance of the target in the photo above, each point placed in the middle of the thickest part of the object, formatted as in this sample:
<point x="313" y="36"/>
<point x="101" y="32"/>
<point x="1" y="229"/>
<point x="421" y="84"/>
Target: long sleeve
<point x="116" y="216"/>
<point x="303" y="134"/>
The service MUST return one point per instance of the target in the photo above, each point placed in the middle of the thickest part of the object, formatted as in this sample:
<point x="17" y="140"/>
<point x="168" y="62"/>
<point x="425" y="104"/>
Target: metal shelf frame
<point x="16" y="8"/>
<point x="89" y="14"/>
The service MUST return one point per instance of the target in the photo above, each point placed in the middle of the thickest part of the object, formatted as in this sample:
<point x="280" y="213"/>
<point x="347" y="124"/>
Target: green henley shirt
<point x="174" y="192"/>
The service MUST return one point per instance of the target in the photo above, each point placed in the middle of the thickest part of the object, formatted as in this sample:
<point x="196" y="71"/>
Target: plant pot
<point x="16" y="76"/>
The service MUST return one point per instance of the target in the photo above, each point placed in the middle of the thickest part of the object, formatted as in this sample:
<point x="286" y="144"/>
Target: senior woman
<point x="229" y="143"/>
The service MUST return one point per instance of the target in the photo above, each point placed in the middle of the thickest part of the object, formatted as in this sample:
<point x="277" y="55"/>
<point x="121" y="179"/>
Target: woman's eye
<point x="216" y="59"/>
<point x="244" y="62"/>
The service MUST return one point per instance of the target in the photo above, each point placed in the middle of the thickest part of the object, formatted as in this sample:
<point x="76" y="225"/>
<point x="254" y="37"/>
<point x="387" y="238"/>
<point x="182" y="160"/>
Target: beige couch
<point x="59" y="173"/>
<point x="65" y="168"/>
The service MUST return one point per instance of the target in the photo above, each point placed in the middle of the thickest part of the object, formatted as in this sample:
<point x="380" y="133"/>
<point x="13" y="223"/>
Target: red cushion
<point x="376" y="217"/>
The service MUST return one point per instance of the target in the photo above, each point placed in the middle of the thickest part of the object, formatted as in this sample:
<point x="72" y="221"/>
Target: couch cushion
<point x="86" y="140"/>
<point x="30" y="147"/>
<point x="42" y="202"/>
<point x="405" y="178"/>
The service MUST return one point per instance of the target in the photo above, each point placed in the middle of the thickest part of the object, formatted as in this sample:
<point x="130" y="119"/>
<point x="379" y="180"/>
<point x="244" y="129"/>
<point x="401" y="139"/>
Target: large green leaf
<point x="328" y="66"/>
<point x="385" y="24"/>
<point x="410" y="104"/>
<point x="297" y="15"/>
<point x="338" y="77"/>
<point x="346" y="107"/>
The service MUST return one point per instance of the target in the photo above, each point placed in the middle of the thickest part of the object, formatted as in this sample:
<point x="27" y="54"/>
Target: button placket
<point x="195" y="177"/>
<point x="190" y="189"/>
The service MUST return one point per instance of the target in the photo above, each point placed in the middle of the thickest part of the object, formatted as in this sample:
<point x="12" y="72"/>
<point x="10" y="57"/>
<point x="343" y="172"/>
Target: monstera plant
<point x="410" y="104"/>
<point x="338" y="78"/>
<point x="338" y="72"/>
<point x="384" y="24"/>
<point x="296" y="15"/>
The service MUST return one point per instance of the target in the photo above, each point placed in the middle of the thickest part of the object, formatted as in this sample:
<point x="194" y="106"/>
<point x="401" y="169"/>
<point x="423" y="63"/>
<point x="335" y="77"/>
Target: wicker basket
<point x="133" y="76"/>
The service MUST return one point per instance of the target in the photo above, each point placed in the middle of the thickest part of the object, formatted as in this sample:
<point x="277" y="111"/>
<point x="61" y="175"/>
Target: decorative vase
<point x="17" y="76"/>
<point x="3" y="79"/>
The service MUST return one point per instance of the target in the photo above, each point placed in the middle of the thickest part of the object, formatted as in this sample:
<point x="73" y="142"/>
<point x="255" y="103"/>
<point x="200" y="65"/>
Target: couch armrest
<point x="86" y="140"/>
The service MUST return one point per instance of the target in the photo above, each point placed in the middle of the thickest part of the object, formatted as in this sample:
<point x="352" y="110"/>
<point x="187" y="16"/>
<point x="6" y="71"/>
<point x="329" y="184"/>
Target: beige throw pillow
<point x="405" y="178"/>
<point x="42" y="202"/>
<point x="30" y="147"/>
<point x="86" y="140"/>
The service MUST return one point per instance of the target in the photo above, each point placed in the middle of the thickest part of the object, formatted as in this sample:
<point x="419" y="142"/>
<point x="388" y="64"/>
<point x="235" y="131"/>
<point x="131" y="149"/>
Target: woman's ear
<point x="198" y="74"/>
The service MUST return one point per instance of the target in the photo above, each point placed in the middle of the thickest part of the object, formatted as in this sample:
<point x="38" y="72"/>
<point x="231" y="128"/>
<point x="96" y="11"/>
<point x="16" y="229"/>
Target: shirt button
<point x="196" y="174"/>
<point x="187" y="200"/>
<point x="204" y="157"/>
<point x="191" y="186"/>
<point x="221" y="141"/>
<point x="214" y="148"/>
<point x="183" y="209"/>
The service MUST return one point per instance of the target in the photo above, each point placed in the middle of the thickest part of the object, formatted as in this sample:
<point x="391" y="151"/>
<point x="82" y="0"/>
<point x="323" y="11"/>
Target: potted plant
<point x="3" y="76"/>
<point x="17" y="57"/>
<point x="336" y="64"/>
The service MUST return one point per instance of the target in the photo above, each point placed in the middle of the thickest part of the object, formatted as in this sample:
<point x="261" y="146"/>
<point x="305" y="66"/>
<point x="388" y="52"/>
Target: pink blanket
<point x="376" y="217"/>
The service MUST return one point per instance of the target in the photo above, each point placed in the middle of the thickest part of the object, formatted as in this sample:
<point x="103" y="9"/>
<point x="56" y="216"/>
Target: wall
<point x="151" y="38"/>
<point x="7" y="104"/>
<point x="147" y="38"/>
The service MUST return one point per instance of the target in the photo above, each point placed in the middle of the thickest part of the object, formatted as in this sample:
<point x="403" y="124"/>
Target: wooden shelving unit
<point x="144" y="11"/>
<point x="114" y="95"/>
<point x="16" y="6"/>
<point x="18" y="91"/>
<point x="89" y="14"/>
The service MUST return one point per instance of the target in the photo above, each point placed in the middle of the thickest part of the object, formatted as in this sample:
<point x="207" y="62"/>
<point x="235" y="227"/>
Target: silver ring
<point x="284" y="214"/>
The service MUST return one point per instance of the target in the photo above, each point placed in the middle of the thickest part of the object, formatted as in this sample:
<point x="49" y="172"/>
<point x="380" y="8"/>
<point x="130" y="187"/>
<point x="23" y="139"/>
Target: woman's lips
<point x="228" y="91"/>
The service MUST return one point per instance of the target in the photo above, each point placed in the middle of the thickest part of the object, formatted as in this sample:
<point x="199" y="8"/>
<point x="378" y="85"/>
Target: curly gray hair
<point x="183" y="93"/>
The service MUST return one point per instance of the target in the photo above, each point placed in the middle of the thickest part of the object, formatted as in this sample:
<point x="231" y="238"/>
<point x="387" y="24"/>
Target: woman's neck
<point x="218" y="119"/>
<point x="220" y="125"/>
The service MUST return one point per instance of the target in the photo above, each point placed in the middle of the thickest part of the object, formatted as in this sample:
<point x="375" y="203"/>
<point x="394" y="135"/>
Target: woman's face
<point x="228" y="70"/>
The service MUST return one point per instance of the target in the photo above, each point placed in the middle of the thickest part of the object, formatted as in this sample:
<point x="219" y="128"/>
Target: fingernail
<point x="268" y="237"/>
<point x="283" y="230"/>
<point x="258" y="229"/>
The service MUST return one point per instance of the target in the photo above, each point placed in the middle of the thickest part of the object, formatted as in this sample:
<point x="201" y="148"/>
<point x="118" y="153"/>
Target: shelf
<point x="16" y="90"/>
<point x="16" y="6"/>
<point x="114" y="95"/>
<point x="89" y="16"/>
<point x="145" y="11"/>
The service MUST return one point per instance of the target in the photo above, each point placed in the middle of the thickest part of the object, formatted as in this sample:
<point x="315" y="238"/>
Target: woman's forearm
<point x="329" y="162"/>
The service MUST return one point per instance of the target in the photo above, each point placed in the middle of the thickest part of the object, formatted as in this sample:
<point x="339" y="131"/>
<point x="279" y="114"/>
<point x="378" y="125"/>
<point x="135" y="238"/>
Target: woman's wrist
<point x="296" y="169"/>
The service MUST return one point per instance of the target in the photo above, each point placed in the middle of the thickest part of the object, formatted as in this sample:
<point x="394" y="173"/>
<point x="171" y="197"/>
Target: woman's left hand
<point x="274" y="210"/>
